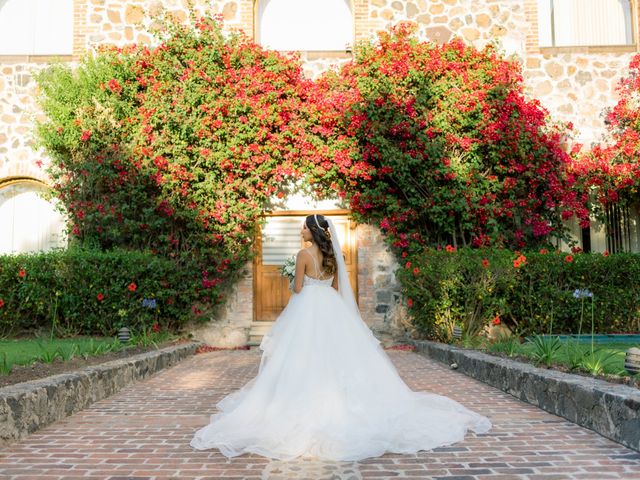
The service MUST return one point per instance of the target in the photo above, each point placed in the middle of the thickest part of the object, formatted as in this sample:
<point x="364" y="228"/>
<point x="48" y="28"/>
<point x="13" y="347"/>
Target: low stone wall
<point x="29" y="406"/>
<point x="611" y="410"/>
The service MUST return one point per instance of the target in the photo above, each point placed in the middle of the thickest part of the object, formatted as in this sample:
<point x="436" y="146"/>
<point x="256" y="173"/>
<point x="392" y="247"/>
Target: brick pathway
<point x="143" y="432"/>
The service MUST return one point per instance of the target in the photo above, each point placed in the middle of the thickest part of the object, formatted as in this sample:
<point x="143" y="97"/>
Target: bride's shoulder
<point x="303" y="253"/>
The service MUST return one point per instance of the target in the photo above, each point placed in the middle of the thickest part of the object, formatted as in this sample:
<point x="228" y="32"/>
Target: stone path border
<point x="29" y="406"/>
<point x="612" y="410"/>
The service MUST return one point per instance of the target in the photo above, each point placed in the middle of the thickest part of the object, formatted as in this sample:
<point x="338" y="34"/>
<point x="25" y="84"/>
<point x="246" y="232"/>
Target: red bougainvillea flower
<point x="114" y="86"/>
<point x="496" y="320"/>
<point x="100" y="297"/>
<point x="132" y="287"/>
<point x="22" y="273"/>
<point x="86" y="135"/>
<point x="485" y="263"/>
<point x="1" y="303"/>
<point x="568" y="258"/>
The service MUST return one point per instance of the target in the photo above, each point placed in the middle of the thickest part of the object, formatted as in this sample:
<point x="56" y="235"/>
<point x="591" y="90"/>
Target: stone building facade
<point x="571" y="64"/>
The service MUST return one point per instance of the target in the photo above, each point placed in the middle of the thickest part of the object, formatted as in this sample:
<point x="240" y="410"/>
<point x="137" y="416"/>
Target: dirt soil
<point x="25" y="373"/>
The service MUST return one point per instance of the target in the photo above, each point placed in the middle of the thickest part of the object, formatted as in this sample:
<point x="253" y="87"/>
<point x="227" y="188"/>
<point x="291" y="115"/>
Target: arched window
<point x="36" y="27"/>
<point x="570" y="23"/>
<point x="28" y="222"/>
<point x="305" y="25"/>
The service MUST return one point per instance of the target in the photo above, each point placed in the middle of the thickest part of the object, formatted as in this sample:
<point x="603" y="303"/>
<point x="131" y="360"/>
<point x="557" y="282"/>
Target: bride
<point x="325" y="387"/>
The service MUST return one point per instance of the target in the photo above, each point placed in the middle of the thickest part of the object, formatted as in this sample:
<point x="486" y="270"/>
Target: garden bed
<point x="25" y="373"/>
<point x="28" y="406"/>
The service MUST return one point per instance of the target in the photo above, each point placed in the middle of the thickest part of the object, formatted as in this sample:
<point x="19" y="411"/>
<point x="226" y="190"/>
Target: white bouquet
<point x="289" y="270"/>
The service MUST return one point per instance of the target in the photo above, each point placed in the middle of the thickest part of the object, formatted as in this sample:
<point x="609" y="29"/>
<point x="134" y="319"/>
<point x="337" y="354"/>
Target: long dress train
<point x="326" y="389"/>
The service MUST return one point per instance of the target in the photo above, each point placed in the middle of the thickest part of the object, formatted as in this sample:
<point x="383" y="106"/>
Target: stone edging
<point x="29" y="406"/>
<point x="609" y="409"/>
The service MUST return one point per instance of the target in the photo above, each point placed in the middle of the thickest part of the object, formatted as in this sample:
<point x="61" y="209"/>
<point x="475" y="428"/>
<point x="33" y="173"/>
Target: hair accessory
<point x="315" y="217"/>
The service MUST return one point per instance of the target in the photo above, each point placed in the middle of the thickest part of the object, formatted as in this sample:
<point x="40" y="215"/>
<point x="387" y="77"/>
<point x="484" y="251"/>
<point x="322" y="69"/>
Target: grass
<point x="25" y="351"/>
<point x="603" y="358"/>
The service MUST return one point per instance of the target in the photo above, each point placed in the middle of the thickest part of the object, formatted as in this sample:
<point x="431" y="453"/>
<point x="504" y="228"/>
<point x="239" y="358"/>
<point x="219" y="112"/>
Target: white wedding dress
<point x="327" y="389"/>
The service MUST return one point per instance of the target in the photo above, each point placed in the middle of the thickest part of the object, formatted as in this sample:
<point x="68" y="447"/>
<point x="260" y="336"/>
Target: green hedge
<point x="80" y="291"/>
<point x="444" y="288"/>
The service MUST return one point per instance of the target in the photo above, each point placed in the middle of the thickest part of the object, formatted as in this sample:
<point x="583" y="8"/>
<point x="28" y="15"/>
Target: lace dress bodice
<point x="317" y="281"/>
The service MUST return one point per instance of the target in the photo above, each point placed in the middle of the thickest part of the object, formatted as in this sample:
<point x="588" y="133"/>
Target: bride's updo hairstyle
<point x="322" y="238"/>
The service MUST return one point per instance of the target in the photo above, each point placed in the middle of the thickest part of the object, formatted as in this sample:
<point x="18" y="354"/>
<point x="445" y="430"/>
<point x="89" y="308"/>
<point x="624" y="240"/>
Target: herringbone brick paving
<point x="143" y="432"/>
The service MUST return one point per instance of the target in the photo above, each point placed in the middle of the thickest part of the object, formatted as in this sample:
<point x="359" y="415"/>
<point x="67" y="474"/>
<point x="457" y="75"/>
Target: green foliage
<point x="439" y="144"/>
<point x="528" y="292"/>
<point x="544" y="348"/>
<point x="175" y="149"/>
<point x="598" y="361"/>
<point x="508" y="345"/>
<point x="81" y="291"/>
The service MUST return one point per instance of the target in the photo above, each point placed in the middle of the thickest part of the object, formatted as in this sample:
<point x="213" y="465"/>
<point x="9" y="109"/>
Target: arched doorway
<point x="28" y="222"/>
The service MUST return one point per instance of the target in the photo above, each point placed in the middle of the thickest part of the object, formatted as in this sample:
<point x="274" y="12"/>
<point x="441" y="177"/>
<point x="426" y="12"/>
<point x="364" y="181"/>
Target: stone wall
<point x="230" y="326"/>
<point x="17" y="112"/>
<point x="610" y="409"/>
<point x="378" y="289"/>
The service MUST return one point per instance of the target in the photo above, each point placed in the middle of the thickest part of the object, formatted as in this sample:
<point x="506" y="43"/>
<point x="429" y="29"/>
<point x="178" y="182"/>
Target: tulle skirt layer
<point x="327" y="389"/>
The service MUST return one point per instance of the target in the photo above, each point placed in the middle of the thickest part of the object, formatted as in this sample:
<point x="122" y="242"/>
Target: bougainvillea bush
<point x="534" y="292"/>
<point x="174" y="150"/>
<point x="438" y="144"/>
<point x="611" y="170"/>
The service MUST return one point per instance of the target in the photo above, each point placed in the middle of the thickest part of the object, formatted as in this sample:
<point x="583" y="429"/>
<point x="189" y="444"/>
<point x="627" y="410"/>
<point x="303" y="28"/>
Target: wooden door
<point x="279" y="239"/>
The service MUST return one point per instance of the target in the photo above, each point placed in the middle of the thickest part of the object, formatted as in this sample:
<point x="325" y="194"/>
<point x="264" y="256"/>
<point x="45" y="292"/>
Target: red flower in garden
<point x="86" y="135"/>
<point x="22" y="273"/>
<point x="568" y="258"/>
<point x="409" y="303"/>
<point x="496" y="320"/>
<point x="544" y="251"/>
<point x="100" y="297"/>
<point x="485" y="263"/>
<point x="450" y="248"/>
<point x="407" y="265"/>
<point x="1" y="303"/>
<point x="132" y="287"/>
<point x="416" y="271"/>
<point x="605" y="253"/>
<point x="156" y="327"/>
<point x="518" y="262"/>
<point x="114" y="86"/>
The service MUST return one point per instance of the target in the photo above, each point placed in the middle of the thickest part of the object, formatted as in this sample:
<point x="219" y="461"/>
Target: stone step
<point x="257" y="331"/>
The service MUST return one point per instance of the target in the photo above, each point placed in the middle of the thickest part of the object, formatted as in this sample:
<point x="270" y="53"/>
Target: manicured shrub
<point x="529" y="292"/>
<point x="80" y="291"/>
